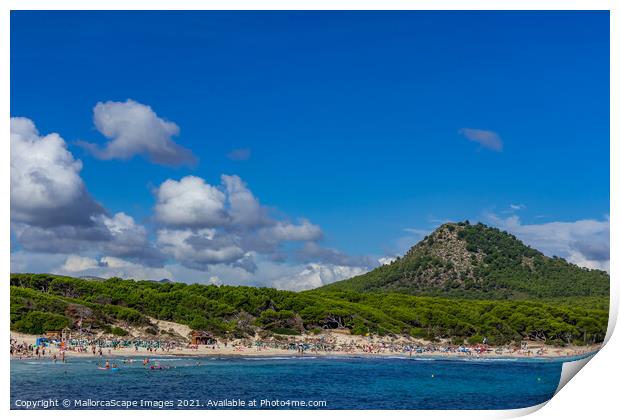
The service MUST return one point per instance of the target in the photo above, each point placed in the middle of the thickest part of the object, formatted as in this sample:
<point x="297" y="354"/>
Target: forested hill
<point x="113" y="307"/>
<point x="478" y="262"/>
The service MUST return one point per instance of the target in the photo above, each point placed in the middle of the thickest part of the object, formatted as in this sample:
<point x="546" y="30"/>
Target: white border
<point x="593" y="395"/>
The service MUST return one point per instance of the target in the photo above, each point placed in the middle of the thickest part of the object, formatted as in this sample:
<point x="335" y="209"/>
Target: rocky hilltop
<point x="479" y="262"/>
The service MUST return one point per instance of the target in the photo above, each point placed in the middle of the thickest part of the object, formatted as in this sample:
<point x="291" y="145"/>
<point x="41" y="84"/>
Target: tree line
<point x="41" y="302"/>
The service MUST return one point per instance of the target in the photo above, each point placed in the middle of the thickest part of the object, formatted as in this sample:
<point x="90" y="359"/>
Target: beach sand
<point x="236" y="348"/>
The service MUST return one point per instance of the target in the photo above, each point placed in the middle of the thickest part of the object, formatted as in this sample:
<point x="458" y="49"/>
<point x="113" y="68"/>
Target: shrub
<point x="285" y="331"/>
<point x="359" y="329"/>
<point x="36" y="322"/>
<point x="118" y="331"/>
<point x="475" y="339"/>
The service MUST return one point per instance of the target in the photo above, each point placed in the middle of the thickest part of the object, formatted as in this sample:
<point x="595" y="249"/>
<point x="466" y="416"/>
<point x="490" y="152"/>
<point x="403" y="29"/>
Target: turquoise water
<point x="342" y="382"/>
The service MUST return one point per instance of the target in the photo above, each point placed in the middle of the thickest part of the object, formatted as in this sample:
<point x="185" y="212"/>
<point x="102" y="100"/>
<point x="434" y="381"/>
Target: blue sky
<point x="372" y="126"/>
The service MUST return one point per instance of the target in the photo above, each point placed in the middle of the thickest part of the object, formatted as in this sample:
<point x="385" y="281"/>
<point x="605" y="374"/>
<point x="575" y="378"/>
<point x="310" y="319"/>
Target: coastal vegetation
<point x="41" y="302"/>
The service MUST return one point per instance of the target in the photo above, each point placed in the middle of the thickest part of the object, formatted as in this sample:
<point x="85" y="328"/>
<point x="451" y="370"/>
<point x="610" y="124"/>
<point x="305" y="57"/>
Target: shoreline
<point x="335" y="355"/>
<point x="436" y="351"/>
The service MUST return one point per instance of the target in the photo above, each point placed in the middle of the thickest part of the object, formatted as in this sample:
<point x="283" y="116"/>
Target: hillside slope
<point x="115" y="307"/>
<point x="478" y="262"/>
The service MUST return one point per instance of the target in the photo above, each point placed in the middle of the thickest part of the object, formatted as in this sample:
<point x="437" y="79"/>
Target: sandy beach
<point x="354" y="345"/>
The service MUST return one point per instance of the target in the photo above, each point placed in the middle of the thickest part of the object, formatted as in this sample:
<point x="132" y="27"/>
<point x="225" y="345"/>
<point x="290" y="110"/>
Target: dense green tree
<point x="42" y="302"/>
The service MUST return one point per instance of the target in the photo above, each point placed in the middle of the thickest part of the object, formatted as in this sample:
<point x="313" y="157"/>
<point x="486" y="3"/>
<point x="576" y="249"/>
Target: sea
<point x="303" y="382"/>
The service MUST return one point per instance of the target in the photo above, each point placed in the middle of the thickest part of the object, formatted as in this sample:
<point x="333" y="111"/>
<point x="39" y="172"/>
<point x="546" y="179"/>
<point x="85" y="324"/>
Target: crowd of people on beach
<point x="25" y="351"/>
<point x="96" y="347"/>
<point x="323" y="344"/>
<point x="327" y="345"/>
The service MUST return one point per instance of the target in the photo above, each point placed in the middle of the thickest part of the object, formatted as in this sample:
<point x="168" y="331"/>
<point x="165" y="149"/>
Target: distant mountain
<point x="478" y="262"/>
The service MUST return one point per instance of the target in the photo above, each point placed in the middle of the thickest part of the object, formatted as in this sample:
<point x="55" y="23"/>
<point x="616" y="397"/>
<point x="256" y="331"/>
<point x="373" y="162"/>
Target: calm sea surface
<point x="342" y="382"/>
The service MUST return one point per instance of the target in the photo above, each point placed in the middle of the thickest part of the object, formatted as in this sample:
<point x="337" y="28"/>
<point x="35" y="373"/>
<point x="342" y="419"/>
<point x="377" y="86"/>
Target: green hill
<point x="42" y="302"/>
<point x="478" y="262"/>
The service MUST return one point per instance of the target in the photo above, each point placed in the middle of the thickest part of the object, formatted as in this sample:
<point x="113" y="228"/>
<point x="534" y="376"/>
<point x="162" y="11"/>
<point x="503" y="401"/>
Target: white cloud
<point x="204" y="224"/>
<point x="77" y="263"/>
<point x="129" y="240"/>
<point x="215" y="280"/>
<point x="51" y="210"/>
<point x="198" y="249"/>
<point x="199" y="227"/>
<point x="316" y="275"/>
<point x="386" y="260"/>
<point x="270" y="274"/>
<point x="285" y="231"/>
<point x="46" y="187"/>
<point x="118" y="236"/>
<point x="117" y="267"/>
<point x="517" y="207"/>
<point x="244" y="209"/>
<point x="108" y="266"/>
<point x="135" y="129"/>
<point x="485" y="138"/>
<point x="266" y="274"/>
<point x="582" y="242"/>
<point x="190" y="202"/>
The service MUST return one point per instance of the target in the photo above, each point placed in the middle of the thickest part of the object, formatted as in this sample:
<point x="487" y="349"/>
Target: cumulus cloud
<point x="582" y="242"/>
<point x="117" y="236"/>
<point x="198" y="249"/>
<point x="58" y="239"/>
<point x="129" y="240"/>
<point x="244" y="209"/>
<point x="485" y="138"/>
<point x="215" y="280"/>
<point x="316" y="275"/>
<point x="46" y="187"/>
<point x="203" y="224"/>
<point x="190" y="202"/>
<point x="222" y="230"/>
<point x="265" y="274"/>
<point x="286" y="231"/>
<point x="107" y="266"/>
<point x="135" y="129"/>
<point x="271" y="274"/>
<point x="51" y="210"/>
<point x="239" y="154"/>
<point x="77" y="263"/>
<point x="386" y="260"/>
